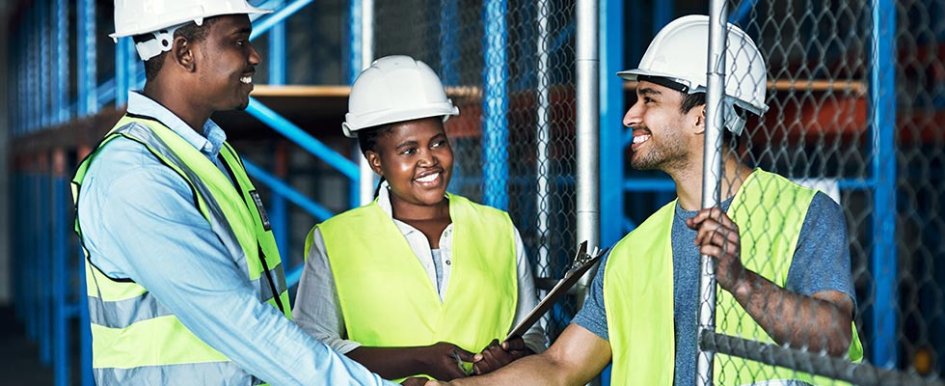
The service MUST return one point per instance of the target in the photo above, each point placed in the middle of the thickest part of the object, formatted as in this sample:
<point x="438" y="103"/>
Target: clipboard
<point x="579" y="266"/>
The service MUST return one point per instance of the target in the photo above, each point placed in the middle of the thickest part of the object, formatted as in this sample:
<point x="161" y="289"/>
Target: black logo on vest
<point x="262" y="211"/>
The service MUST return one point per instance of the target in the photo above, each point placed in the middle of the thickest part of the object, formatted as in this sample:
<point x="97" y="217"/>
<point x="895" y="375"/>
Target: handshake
<point x="446" y="361"/>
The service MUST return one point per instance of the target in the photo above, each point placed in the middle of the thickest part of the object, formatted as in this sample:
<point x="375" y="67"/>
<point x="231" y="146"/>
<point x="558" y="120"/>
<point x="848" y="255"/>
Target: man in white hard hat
<point x="185" y="283"/>
<point x="784" y="277"/>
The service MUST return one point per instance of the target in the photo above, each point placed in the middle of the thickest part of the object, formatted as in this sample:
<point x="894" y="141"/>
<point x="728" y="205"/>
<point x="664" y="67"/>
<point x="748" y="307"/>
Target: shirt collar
<point x="209" y="143"/>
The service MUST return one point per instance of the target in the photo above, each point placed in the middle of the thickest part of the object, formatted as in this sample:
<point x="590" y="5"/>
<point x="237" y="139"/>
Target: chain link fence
<point x="836" y="124"/>
<point x="509" y="66"/>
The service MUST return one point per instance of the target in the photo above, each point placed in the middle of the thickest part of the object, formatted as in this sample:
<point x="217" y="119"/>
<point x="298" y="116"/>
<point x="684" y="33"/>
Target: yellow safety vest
<point x="638" y="287"/>
<point x="386" y="297"/>
<point x="135" y="340"/>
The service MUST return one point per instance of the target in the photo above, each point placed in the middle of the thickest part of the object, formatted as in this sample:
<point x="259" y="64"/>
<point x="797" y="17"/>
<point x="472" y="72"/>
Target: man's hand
<point x="718" y="237"/>
<point x="434" y="382"/>
<point x="496" y="355"/>
<point x="440" y="362"/>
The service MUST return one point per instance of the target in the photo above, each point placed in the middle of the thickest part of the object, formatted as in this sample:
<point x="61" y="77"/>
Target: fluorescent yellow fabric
<point x="144" y="336"/>
<point x="638" y="292"/>
<point x="386" y="297"/>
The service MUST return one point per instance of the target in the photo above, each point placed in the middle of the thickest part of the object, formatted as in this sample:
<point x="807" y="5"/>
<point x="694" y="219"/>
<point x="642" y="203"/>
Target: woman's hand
<point x="496" y="355"/>
<point x="443" y="360"/>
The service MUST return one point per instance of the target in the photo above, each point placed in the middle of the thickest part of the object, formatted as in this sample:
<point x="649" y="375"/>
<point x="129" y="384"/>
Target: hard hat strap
<point x="665" y="82"/>
<point x="162" y="42"/>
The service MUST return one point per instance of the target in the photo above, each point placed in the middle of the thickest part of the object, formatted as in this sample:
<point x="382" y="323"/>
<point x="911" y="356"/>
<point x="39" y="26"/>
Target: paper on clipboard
<point x="581" y="264"/>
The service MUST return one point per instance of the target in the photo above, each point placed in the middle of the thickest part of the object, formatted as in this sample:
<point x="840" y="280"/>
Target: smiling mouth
<point x="246" y="79"/>
<point x="429" y="178"/>
<point x="640" y="138"/>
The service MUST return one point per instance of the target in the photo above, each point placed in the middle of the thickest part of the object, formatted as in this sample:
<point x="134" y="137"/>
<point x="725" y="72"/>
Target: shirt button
<point x="448" y="262"/>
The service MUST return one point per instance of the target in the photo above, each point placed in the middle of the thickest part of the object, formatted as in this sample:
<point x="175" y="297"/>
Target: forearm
<point x="391" y="362"/>
<point x="792" y="318"/>
<point x="537" y="370"/>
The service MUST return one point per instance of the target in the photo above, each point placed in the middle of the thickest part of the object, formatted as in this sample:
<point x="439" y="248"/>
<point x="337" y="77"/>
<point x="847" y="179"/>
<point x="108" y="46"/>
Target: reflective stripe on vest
<point x="386" y="297"/>
<point x="133" y="335"/>
<point x="214" y="373"/>
<point x="638" y="286"/>
<point x="123" y="313"/>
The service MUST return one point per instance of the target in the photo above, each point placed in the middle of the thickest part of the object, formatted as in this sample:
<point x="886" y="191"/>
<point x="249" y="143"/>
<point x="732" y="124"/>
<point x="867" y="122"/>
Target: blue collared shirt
<point x="139" y="222"/>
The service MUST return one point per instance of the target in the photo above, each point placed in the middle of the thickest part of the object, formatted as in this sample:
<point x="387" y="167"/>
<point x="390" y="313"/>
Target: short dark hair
<point x="191" y="31"/>
<point x="690" y="101"/>
<point x="729" y="138"/>
<point x="367" y="138"/>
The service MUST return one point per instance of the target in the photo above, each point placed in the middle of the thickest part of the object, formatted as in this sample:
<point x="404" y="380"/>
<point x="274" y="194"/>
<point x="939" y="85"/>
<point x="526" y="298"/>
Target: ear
<point x="374" y="160"/>
<point x="698" y="113"/>
<point x="183" y="54"/>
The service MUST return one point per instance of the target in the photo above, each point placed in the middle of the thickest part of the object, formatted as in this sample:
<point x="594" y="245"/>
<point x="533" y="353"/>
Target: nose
<point x="427" y="158"/>
<point x="254" y="58"/>
<point x="634" y="116"/>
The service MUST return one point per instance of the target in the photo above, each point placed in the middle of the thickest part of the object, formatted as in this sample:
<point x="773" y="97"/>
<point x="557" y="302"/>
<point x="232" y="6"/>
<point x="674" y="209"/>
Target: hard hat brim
<point x="351" y="129"/>
<point x="248" y="10"/>
<point x="634" y="74"/>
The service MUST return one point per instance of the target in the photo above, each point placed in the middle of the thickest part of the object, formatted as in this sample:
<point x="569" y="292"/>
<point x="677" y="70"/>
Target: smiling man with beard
<point x="783" y="264"/>
<point x="186" y="285"/>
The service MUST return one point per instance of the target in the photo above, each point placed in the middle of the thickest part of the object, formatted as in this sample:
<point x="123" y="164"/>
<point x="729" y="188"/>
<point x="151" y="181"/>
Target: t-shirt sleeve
<point x="822" y="258"/>
<point x="593" y="316"/>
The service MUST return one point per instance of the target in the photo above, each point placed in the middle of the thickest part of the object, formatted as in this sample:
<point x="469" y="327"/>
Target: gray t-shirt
<point x="821" y="263"/>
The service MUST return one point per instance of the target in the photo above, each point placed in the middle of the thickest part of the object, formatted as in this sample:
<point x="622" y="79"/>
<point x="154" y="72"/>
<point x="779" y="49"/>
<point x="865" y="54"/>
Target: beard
<point x="661" y="156"/>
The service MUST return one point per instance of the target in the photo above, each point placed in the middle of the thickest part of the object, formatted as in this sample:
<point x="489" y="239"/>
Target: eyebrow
<point x="648" y="91"/>
<point x="408" y="142"/>
<point x="243" y="30"/>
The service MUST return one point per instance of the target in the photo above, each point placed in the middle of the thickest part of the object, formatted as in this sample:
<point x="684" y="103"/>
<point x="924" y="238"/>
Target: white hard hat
<point x="163" y="17"/>
<point x="395" y="89"/>
<point x="677" y="58"/>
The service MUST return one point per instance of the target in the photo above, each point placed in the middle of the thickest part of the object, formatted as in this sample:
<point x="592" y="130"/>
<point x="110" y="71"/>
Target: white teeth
<point x="247" y="79"/>
<point x="428" y="178"/>
<point x="640" y="138"/>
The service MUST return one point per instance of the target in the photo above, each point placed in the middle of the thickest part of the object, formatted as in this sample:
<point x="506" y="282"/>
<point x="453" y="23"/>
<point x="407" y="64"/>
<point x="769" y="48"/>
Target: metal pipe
<point x="449" y="44"/>
<point x="711" y="172"/>
<point x="281" y="188"/>
<point x="278" y="211"/>
<point x="367" y="33"/>
<point x="31" y="69"/>
<point x="300" y="137"/>
<point x="543" y="136"/>
<point x="277" y="54"/>
<point x="809" y="362"/>
<point x="741" y="13"/>
<point x="612" y="130"/>
<point x="121" y="73"/>
<point x="45" y="85"/>
<point x="495" y="133"/>
<point x="662" y="14"/>
<point x="365" y="173"/>
<point x="85" y="334"/>
<point x="61" y="85"/>
<point x="41" y="252"/>
<point x="263" y="25"/>
<point x="588" y="119"/>
<point x="85" y="52"/>
<point x="883" y="321"/>
<point x="60" y="241"/>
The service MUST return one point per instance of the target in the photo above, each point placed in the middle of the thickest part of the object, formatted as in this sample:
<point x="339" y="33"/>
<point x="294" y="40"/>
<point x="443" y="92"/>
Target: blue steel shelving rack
<point x="40" y="61"/>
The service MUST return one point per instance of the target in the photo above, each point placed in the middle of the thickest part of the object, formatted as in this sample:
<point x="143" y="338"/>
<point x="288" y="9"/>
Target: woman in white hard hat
<point x="419" y="279"/>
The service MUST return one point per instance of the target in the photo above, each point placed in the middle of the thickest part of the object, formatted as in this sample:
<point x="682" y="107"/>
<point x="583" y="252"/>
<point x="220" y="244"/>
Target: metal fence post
<point x="712" y="173"/>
